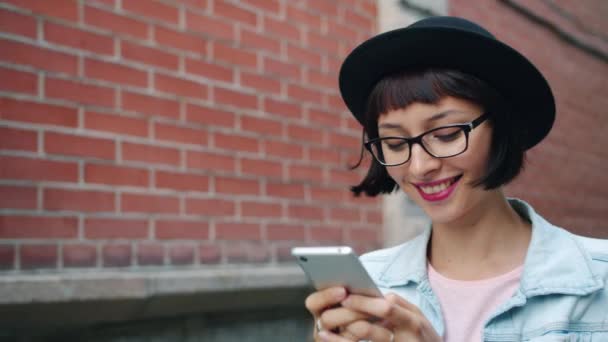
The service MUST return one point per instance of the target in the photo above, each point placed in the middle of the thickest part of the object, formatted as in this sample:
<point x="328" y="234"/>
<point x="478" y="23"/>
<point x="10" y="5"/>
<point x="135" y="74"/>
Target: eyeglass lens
<point x="440" y="143"/>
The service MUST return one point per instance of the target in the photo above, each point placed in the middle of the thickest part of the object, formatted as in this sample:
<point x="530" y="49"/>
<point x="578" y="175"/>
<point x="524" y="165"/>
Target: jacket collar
<point x="555" y="261"/>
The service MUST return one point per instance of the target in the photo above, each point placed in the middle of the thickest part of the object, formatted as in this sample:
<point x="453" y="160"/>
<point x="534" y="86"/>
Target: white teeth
<point x="437" y="188"/>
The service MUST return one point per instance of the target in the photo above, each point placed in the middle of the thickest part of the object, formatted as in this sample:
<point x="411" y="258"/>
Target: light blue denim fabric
<point x="562" y="295"/>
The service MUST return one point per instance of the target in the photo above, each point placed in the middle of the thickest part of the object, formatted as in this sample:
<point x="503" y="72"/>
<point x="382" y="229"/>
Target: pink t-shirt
<point x="466" y="305"/>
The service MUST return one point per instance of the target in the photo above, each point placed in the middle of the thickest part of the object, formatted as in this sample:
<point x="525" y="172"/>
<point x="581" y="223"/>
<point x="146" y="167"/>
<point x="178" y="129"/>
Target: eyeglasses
<point x="441" y="142"/>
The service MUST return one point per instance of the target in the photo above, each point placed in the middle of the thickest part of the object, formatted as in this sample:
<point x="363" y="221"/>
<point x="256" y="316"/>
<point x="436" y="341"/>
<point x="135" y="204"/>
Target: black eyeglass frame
<point x="466" y="128"/>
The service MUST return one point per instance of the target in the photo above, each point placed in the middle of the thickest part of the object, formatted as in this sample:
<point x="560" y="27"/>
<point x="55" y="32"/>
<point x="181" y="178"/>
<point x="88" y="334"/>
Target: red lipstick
<point x="437" y="196"/>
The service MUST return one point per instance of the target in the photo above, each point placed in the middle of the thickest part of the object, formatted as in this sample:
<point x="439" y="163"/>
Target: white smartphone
<point x="335" y="266"/>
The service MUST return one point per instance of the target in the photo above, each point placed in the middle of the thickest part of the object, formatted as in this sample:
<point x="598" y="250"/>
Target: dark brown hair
<point x="429" y="86"/>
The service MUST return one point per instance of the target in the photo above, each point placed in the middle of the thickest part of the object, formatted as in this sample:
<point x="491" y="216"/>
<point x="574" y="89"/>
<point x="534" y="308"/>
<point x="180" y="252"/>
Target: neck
<point x="491" y="239"/>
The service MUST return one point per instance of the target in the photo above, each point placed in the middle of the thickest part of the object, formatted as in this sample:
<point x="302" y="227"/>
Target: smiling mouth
<point x="436" y="188"/>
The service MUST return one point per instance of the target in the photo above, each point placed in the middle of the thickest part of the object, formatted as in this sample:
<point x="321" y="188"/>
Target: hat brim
<point x="496" y="63"/>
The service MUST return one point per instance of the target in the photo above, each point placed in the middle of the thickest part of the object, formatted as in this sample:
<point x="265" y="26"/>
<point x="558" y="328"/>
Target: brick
<point x="328" y="8"/>
<point x="336" y="103"/>
<point x="7" y="257"/>
<point x="259" y="209"/>
<point x="237" y="231"/>
<point x="282" y="108"/>
<point x="76" y="200"/>
<point x="305" y="212"/>
<point x="345" y="214"/>
<point x="321" y="79"/>
<point x="301" y="15"/>
<point x="285" y="232"/>
<point x="181" y="254"/>
<point x="250" y="38"/>
<point x="249" y="253"/>
<point x="282" y="149"/>
<point x="236" y="143"/>
<point x="209" y="116"/>
<point x="19" y="24"/>
<point x="285" y="190"/>
<point x="115" y="228"/>
<point x="115" y="175"/>
<point x="181" y="229"/>
<point x="304" y="94"/>
<point x="209" y="70"/>
<point x="262" y="125"/>
<point x="344" y="177"/>
<point x="38" y="227"/>
<point x="45" y="59"/>
<point x="260" y="83"/>
<point x="323" y="44"/>
<point x="281" y="29"/>
<point x="150" y="106"/>
<point x="181" y="181"/>
<point x="267" y="6"/>
<point x="180" y="87"/>
<point x="346" y="141"/>
<point x="73" y="145"/>
<point x="235" y="98"/>
<point x="324" y="118"/>
<point x="326" y="233"/>
<point x="364" y="234"/>
<point x="153" y="204"/>
<point x="18" y="139"/>
<point x="180" y="40"/>
<point x="324" y="155"/>
<point x="210" y="161"/>
<point x="115" y="73"/>
<point x="236" y="186"/>
<point x="343" y="32"/>
<point x="38" y="256"/>
<point x="234" y="56"/>
<point x="78" y="39"/>
<point x="304" y="133"/>
<point x="37" y="169"/>
<point x="209" y="26"/>
<point x="116" y="255"/>
<point x="374" y="217"/>
<point x="18" y="81"/>
<point x="113" y="123"/>
<point x="149" y="253"/>
<point x="324" y="194"/>
<point x="262" y="168"/>
<point x="149" y="55"/>
<point x="18" y="197"/>
<point x="116" y="23"/>
<point x="63" y="9"/>
<point x="234" y="13"/>
<point x="305" y="173"/>
<point x="79" y="92"/>
<point x="37" y="113"/>
<point x="286" y="70"/>
<point x="209" y="254"/>
<point x="152" y="10"/>
<point x="180" y="134"/>
<point x="150" y="154"/>
<point x="210" y="207"/>
<point x="79" y="255"/>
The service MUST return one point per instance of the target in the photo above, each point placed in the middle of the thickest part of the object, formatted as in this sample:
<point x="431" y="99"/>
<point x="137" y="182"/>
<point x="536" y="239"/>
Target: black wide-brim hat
<point x="454" y="43"/>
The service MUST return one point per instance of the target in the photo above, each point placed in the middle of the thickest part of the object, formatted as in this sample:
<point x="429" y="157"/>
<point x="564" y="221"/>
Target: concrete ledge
<point x="55" y="302"/>
<point x="113" y="285"/>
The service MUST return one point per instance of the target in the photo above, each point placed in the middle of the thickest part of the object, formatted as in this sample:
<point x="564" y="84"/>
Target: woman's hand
<point x="324" y="305"/>
<point x="397" y="320"/>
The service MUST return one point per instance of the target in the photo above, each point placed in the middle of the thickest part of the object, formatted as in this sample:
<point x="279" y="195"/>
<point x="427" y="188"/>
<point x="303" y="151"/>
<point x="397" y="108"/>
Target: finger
<point x="388" y="309"/>
<point x="364" y="330"/>
<point x="322" y="299"/>
<point x="327" y="336"/>
<point x="338" y="317"/>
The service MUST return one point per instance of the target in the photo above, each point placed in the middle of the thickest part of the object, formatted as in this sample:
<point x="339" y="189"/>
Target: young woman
<point x="448" y="113"/>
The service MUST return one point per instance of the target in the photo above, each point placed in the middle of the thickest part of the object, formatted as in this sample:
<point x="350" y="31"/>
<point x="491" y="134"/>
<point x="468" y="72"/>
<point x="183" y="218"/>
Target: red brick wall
<point x="140" y="132"/>
<point x="565" y="177"/>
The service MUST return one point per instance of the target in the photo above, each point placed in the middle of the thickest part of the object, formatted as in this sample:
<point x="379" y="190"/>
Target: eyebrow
<point x="435" y="117"/>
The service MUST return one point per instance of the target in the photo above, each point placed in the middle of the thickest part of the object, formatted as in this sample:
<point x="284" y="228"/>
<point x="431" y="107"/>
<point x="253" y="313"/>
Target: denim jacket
<point x="562" y="295"/>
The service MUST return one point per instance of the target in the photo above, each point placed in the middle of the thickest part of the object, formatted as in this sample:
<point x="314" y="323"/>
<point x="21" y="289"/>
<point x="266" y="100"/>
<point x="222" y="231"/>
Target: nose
<point x="422" y="164"/>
